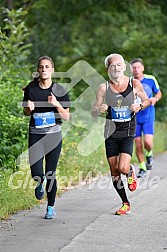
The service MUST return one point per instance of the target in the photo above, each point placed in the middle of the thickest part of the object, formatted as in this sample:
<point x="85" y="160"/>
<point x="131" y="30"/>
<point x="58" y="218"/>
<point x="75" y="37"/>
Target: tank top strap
<point x="107" y="85"/>
<point x="107" y="90"/>
<point x="131" y="82"/>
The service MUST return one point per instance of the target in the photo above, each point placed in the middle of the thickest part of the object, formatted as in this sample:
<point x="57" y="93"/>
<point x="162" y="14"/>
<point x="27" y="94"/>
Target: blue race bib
<point x="121" y="114"/>
<point x="43" y="120"/>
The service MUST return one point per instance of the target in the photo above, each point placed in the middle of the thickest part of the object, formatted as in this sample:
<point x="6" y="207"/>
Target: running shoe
<point x="132" y="179"/>
<point x="50" y="213"/>
<point x="39" y="192"/>
<point x="149" y="163"/>
<point x="125" y="209"/>
<point x="141" y="174"/>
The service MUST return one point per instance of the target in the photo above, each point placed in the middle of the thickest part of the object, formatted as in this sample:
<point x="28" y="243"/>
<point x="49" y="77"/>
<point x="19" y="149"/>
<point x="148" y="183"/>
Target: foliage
<point x="16" y="47"/>
<point x="14" y="51"/>
<point x="91" y="29"/>
<point x="149" y="44"/>
<point x="13" y="127"/>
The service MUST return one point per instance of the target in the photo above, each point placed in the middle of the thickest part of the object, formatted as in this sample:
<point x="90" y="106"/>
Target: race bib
<point x="121" y="114"/>
<point x="43" y="120"/>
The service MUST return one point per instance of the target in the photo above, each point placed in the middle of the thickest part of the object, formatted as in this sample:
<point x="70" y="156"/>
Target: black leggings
<point x="48" y="146"/>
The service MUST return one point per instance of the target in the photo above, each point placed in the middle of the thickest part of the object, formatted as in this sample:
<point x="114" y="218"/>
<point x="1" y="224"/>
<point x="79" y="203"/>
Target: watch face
<point x="141" y="105"/>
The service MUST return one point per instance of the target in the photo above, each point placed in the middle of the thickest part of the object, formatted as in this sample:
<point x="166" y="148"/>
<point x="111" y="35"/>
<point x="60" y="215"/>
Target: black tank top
<point x="120" y="120"/>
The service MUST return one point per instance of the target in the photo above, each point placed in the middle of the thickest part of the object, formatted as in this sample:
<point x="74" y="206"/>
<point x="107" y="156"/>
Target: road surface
<point x="86" y="221"/>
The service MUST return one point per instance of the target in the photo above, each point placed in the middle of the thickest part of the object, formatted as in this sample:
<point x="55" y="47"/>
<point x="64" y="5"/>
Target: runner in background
<point x="145" y="118"/>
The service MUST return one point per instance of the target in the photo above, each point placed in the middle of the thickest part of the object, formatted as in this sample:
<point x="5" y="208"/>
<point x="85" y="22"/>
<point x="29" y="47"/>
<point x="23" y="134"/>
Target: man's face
<point x="138" y="70"/>
<point x="116" y="67"/>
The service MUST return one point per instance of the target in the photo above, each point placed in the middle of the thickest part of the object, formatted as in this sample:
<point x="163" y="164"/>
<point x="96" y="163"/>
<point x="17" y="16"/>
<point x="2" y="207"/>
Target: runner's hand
<point x="52" y="100"/>
<point x="30" y="105"/>
<point x="135" y="107"/>
<point x="103" y="108"/>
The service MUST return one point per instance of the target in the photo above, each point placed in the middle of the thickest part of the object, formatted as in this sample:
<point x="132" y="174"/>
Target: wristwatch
<point x="141" y="106"/>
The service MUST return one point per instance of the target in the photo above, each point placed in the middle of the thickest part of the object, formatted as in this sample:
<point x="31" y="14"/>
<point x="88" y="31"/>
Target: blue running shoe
<point x="50" y="213"/>
<point x="141" y="174"/>
<point x="39" y="192"/>
<point x="149" y="163"/>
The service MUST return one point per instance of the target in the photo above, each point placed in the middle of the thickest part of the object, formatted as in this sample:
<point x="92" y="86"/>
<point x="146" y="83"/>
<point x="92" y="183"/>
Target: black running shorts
<point x="115" y="146"/>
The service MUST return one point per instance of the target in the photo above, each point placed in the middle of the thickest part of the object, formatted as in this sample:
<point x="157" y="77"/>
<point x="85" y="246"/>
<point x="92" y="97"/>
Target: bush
<point x="14" y="52"/>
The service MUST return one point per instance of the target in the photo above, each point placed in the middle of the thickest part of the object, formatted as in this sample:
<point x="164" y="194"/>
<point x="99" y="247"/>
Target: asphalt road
<point x="86" y="221"/>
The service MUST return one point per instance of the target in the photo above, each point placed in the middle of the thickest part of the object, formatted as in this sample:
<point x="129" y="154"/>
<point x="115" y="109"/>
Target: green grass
<point x="160" y="140"/>
<point x="12" y="200"/>
<point x="17" y="189"/>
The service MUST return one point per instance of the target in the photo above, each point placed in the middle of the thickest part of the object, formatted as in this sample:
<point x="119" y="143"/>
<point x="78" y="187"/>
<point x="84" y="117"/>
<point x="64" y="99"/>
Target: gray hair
<point x="137" y="60"/>
<point x="111" y="56"/>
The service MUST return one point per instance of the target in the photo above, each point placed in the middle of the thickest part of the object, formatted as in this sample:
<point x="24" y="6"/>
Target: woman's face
<point x="45" y="69"/>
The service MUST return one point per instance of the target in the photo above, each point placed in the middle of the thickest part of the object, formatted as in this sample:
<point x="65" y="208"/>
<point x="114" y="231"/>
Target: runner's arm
<point x="63" y="112"/>
<point x="139" y="91"/>
<point x="156" y="98"/>
<point x="99" y="106"/>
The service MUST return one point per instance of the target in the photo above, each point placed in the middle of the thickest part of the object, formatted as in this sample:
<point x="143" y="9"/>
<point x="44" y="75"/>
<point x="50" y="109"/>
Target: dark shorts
<point x="115" y="146"/>
<point x="144" y="128"/>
